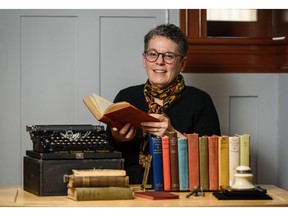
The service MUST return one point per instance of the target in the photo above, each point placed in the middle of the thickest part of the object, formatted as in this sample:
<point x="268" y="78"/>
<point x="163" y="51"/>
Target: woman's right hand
<point x="126" y="133"/>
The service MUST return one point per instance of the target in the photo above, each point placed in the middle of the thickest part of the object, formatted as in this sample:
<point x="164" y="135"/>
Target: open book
<point x="116" y="114"/>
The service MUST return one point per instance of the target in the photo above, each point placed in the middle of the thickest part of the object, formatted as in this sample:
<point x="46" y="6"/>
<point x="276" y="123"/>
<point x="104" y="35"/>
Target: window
<point x="248" y="45"/>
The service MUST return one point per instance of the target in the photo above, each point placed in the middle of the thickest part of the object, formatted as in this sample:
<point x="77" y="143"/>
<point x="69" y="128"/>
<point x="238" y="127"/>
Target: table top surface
<point x="16" y="196"/>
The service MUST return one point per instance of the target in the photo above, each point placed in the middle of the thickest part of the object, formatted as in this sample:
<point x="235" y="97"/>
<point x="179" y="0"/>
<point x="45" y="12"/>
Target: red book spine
<point x="166" y="163"/>
<point x="213" y="162"/>
<point x="193" y="160"/>
<point x="174" y="167"/>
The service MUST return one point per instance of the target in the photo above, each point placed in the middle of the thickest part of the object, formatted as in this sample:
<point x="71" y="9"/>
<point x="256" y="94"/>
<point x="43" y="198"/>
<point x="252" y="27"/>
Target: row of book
<point x="209" y="162"/>
<point x="98" y="184"/>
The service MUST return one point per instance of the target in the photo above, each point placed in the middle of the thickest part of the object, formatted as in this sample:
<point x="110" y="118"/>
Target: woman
<point x="180" y="108"/>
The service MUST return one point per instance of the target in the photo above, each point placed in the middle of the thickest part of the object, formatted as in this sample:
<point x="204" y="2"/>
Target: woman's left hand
<point x="158" y="128"/>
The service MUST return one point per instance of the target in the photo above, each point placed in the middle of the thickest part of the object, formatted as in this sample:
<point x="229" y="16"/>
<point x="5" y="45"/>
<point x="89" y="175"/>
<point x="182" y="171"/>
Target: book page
<point x="101" y="102"/>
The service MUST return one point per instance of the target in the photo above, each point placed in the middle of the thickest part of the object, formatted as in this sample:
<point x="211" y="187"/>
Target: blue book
<point x="155" y="148"/>
<point x="183" y="163"/>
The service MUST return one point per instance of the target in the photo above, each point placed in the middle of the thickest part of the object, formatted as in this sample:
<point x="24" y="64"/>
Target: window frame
<point x="251" y="54"/>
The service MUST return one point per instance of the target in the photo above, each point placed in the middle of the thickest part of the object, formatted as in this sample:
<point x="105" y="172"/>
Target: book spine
<point x="213" y="162"/>
<point x="166" y="163"/>
<point x="193" y="159"/>
<point x="244" y="150"/>
<point x="98" y="181"/>
<point x="174" y="161"/>
<point x="203" y="162"/>
<point x="183" y="163"/>
<point x="155" y="148"/>
<point x="223" y="158"/>
<point x="100" y="193"/>
<point x="234" y="157"/>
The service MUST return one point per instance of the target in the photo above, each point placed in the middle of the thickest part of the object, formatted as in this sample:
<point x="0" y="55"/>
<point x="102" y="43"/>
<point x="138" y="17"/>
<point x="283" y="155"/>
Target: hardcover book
<point x="193" y="159"/>
<point x="223" y="158"/>
<point x="166" y="163"/>
<point x="234" y="157"/>
<point x="183" y="163"/>
<point x="173" y="140"/>
<point x="213" y="162"/>
<point x="156" y="195"/>
<point x="99" y="172"/>
<point x="97" y="181"/>
<point x="155" y="148"/>
<point x="203" y="162"/>
<point x="100" y="193"/>
<point x="116" y="114"/>
<point x="244" y="150"/>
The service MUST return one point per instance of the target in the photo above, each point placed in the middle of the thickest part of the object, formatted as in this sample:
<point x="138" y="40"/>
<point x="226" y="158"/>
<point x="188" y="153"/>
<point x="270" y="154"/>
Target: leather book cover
<point x="203" y="162"/>
<point x="213" y="162"/>
<point x="98" y="181"/>
<point x="100" y="193"/>
<point x="166" y="163"/>
<point x="193" y="159"/>
<point x="174" y="161"/>
<point x="223" y="158"/>
<point x="234" y="157"/>
<point x="155" y="148"/>
<point x="156" y="195"/>
<point x="183" y="163"/>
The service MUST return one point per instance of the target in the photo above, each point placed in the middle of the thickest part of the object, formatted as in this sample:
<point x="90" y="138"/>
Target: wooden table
<point x="16" y="196"/>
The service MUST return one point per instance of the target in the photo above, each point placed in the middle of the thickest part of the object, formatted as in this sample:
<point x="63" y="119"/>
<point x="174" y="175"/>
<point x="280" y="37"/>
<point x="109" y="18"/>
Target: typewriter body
<point x="58" y="149"/>
<point x="68" y="138"/>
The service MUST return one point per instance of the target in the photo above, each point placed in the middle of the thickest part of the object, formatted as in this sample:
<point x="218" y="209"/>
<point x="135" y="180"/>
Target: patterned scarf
<point x="169" y="95"/>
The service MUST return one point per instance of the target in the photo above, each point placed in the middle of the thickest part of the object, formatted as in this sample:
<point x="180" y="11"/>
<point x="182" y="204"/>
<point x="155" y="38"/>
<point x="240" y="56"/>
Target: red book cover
<point x="174" y="165"/>
<point x="213" y="162"/>
<point x="193" y="159"/>
<point x="156" y="195"/>
<point x="166" y="162"/>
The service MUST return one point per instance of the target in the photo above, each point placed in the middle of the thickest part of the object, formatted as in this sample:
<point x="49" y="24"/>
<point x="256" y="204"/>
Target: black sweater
<point x="193" y="112"/>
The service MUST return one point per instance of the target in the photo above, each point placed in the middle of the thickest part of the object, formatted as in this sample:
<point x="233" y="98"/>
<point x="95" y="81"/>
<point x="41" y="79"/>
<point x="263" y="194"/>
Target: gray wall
<point x="51" y="59"/>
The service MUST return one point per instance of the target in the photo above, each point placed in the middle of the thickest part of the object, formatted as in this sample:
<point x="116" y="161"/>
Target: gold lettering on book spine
<point x="86" y="182"/>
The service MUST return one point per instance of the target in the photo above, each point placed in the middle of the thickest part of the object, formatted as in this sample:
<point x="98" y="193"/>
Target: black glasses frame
<point x="163" y="56"/>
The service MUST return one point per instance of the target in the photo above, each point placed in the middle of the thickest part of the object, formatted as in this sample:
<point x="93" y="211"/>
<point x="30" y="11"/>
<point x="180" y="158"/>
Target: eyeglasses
<point x="168" y="57"/>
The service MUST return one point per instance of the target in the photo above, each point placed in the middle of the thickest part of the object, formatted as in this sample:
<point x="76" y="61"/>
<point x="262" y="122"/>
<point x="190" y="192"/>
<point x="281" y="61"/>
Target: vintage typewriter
<point x="68" y="138"/>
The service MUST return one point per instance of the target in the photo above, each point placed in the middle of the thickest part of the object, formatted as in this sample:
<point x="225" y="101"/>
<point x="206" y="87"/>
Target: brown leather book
<point x="98" y="181"/>
<point x="166" y="163"/>
<point x="213" y="162"/>
<point x="193" y="160"/>
<point x="173" y="140"/>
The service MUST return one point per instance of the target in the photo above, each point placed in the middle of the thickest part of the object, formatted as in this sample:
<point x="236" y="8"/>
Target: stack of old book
<point x="98" y="184"/>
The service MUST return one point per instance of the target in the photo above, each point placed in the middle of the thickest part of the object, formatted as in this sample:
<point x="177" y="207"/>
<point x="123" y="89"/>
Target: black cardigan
<point x="193" y="112"/>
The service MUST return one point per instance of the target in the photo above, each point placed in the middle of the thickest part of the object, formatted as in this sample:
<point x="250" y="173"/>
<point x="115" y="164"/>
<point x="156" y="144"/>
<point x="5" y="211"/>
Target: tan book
<point x="203" y="162"/>
<point x="223" y="161"/>
<point x="234" y="159"/>
<point x="100" y="193"/>
<point x="98" y="181"/>
<point x="213" y="162"/>
<point x="116" y="114"/>
<point x="99" y="172"/>
<point x="244" y="150"/>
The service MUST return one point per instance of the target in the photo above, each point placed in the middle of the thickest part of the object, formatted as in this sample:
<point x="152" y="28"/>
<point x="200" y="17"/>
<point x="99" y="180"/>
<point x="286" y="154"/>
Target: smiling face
<point x="159" y="72"/>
